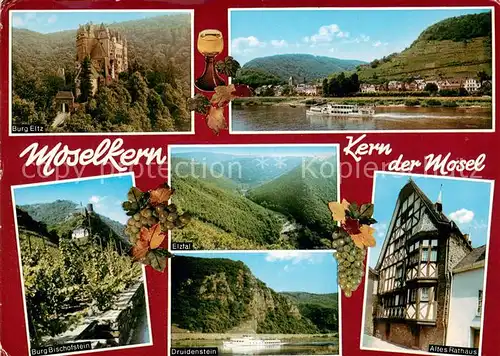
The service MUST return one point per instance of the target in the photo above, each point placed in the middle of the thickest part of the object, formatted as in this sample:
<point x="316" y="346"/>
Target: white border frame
<point x="379" y="8"/>
<point x="10" y="81"/>
<point x="417" y="352"/>
<point x="146" y="295"/>
<point x="193" y="253"/>
<point x="202" y="146"/>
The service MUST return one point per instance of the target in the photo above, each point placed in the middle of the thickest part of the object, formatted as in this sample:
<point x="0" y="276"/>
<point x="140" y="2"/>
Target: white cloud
<point x="279" y="43"/>
<point x="293" y="256"/>
<point x="246" y="44"/>
<point x="17" y="21"/>
<point x="379" y="43"/>
<point x="380" y="229"/>
<point x="462" y="216"/>
<point x="97" y="201"/>
<point x="364" y="38"/>
<point x="327" y="33"/>
<point x="52" y="19"/>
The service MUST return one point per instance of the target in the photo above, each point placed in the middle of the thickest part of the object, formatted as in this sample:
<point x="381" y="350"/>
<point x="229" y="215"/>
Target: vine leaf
<point x="223" y="95"/>
<point x="339" y="210"/>
<point x="366" y="211"/>
<point x="160" y="195"/>
<point x="149" y="239"/>
<point x="365" y="237"/>
<point x="216" y="120"/>
<point x="156" y="260"/>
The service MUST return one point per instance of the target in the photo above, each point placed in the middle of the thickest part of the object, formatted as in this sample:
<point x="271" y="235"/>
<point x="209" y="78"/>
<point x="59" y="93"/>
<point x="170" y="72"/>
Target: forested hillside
<point x="304" y="196"/>
<point x="241" y="205"/>
<point x="217" y="295"/>
<point x="303" y="67"/>
<point x="151" y="96"/>
<point x="456" y="47"/>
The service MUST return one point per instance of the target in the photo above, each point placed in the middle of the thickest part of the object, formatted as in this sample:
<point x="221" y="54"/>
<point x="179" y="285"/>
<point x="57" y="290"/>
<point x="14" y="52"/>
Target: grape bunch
<point x="350" y="260"/>
<point x="147" y="209"/>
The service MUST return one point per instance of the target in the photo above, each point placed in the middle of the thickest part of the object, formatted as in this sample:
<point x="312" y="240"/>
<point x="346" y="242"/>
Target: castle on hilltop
<point x="107" y="50"/>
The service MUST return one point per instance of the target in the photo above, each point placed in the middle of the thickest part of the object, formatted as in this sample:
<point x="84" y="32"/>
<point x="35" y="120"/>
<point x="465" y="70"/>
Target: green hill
<point x="456" y="47"/>
<point x="222" y="218"/>
<point x="61" y="217"/>
<point x="304" y="196"/>
<point x="321" y="309"/>
<point x="301" y="66"/>
<point x="158" y="38"/>
<point x="219" y="295"/>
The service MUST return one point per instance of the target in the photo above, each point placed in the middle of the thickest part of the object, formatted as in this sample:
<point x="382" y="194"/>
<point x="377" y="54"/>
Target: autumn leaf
<point x="216" y="120"/>
<point x="365" y="237"/>
<point x="338" y="210"/>
<point x="223" y="95"/>
<point x="156" y="260"/>
<point x="149" y="239"/>
<point x="366" y="211"/>
<point x="160" y="195"/>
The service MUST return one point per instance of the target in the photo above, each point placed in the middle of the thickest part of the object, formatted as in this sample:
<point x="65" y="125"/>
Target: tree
<point x="23" y="112"/>
<point x="86" y="86"/>
<point x="431" y="88"/>
<point x="483" y="76"/>
<point x="325" y="87"/>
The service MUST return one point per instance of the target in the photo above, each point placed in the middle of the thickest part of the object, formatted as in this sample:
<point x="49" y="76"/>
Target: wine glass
<point x="210" y="44"/>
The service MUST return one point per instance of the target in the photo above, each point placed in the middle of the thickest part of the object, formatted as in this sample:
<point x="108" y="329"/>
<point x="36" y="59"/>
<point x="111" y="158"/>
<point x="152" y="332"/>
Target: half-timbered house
<point x="414" y="271"/>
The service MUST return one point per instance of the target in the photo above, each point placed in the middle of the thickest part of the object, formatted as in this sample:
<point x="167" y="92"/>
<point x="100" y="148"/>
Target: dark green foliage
<point x="459" y="28"/>
<point x="256" y="77"/>
<point x="86" y="85"/>
<point x="412" y="102"/>
<point x="214" y="295"/>
<point x="300" y="66"/>
<point x="226" y="210"/>
<point x="432" y="102"/>
<point x="65" y="280"/>
<point x="303" y="194"/>
<point x="431" y="87"/>
<point x="341" y="85"/>
<point x="51" y="213"/>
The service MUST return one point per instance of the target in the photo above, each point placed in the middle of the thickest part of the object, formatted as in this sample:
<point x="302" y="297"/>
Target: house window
<point x="425" y="255"/>
<point x="479" y="303"/>
<point x="424" y="294"/>
<point x="434" y="255"/>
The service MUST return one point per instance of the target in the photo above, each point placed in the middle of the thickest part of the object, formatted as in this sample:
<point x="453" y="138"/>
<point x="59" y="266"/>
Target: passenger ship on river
<point x="341" y="110"/>
<point x="250" y="341"/>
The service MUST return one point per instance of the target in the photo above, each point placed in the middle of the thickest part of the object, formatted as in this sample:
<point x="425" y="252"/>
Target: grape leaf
<point x="156" y="260"/>
<point x="160" y="195"/>
<point x="199" y="103"/>
<point x="229" y="66"/>
<point x="339" y="210"/>
<point x="149" y="239"/>
<point x="366" y="211"/>
<point x="365" y="237"/>
<point x="216" y="120"/>
<point x="223" y="95"/>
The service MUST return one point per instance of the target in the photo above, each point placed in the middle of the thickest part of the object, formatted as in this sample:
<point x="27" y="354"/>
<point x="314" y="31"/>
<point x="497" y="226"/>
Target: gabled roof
<point x="64" y="95"/>
<point x="475" y="259"/>
<point x="438" y="218"/>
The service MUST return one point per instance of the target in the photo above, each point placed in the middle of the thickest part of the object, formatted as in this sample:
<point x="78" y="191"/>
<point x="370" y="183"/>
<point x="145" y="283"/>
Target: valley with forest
<point x="237" y="204"/>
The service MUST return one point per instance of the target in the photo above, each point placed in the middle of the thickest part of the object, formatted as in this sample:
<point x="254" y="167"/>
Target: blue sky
<point x="465" y="202"/>
<point x="347" y="34"/>
<point x="288" y="271"/>
<point x="107" y="194"/>
<point x="53" y="21"/>
<point x="274" y="150"/>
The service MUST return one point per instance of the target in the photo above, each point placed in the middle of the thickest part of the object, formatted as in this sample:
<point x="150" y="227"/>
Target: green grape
<point x="135" y="229"/>
<point x="346" y="264"/>
<point x="340" y="248"/>
<point x="351" y="258"/>
<point x="169" y="225"/>
<point x="347" y="248"/>
<point x="144" y="221"/>
<point x="335" y="244"/>
<point x="159" y="209"/>
<point x="163" y="218"/>
<point x="152" y="221"/>
<point x="138" y="224"/>
<point x="172" y="217"/>
<point x="137" y="217"/>
<point x="185" y="218"/>
<point x="358" y="264"/>
<point x="341" y="242"/>
<point x="172" y="208"/>
<point x="131" y="221"/>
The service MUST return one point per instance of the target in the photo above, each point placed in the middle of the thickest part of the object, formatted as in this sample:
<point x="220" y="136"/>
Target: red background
<point x="213" y="14"/>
